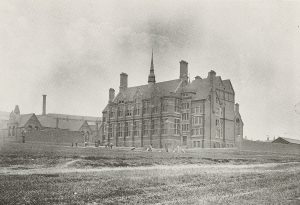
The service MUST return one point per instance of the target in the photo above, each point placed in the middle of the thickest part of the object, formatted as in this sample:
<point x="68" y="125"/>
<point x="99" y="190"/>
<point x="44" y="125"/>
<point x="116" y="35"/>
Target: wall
<point x="248" y="145"/>
<point x="53" y="136"/>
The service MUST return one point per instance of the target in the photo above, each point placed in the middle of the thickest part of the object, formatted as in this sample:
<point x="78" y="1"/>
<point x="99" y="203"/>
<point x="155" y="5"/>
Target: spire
<point x="151" y="77"/>
<point x="17" y="110"/>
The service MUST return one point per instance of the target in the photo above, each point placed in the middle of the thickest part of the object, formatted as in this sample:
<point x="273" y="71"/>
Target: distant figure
<point x="166" y="147"/>
<point x="76" y="144"/>
<point x="23" y="136"/>
<point x="72" y="144"/>
<point x="111" y="145"/>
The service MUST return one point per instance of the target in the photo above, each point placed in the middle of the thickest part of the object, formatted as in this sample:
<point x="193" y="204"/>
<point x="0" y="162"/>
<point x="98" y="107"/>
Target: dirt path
<point x="164" y="169"/>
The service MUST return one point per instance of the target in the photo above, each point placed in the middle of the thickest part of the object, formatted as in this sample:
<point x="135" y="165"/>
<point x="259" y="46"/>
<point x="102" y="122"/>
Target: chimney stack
<point x="211" y="74"/>
<point x="44" y="104"/>
<point x="111" y="94"/>
<point x="183" y="69"/>
<point x="123" y="81"/>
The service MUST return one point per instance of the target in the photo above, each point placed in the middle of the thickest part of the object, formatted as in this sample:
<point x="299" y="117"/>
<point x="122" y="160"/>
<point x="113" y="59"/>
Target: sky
<point x="74" y="51"/>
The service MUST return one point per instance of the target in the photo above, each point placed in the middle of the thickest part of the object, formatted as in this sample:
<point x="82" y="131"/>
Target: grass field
<point x="31" y="174"/>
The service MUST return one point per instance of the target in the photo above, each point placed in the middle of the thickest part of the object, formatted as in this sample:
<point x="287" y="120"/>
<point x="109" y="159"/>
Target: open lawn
<point x="44" y="174"/>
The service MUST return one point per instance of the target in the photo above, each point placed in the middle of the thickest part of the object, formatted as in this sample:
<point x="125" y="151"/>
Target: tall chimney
<point x="123" y="81"/>
<point x="183" y="69"/>
<point x="211" y="74"/>
<point x="44" y="104"/>
<point x="111" y="94"/>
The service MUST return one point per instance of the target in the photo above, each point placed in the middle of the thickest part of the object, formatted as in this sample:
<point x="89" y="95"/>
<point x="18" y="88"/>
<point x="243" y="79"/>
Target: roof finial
<point x="151" y="77"/>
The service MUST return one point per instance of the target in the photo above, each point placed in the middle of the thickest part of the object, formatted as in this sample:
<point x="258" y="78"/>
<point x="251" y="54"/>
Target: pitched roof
<point x="24" y="119"/>
<point x="201" y="87"/>
<point x="145" y="91"/>
<point x="289" y="140"/>
<point x="74" y="117"/>
<point x="63" y="123"/>
<point x="228" y="85"/>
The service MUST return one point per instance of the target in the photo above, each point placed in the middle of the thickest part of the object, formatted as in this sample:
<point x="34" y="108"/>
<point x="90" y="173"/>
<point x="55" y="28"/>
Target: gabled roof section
<point x="286" y="140"/>
<point x="218" y="82"/>
<point x="201" y="87"/>
<point x="24" y="119"/>
<point x="50" y="121"/>
<point x="238" y="116"/>
<point x="146" y="91"/>
<point x="228" y="86"/>
<point x="73" y="117"/>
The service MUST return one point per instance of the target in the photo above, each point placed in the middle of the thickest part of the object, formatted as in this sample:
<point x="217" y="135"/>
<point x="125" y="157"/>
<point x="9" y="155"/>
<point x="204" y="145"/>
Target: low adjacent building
<point x="284" y="140"/>
<point x="53" y="127"/>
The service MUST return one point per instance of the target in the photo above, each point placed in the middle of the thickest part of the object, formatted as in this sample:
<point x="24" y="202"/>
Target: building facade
<point x="201" y="113"/>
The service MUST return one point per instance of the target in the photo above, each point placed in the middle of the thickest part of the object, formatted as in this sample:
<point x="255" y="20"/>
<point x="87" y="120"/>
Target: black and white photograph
<point x="149" y="102"/>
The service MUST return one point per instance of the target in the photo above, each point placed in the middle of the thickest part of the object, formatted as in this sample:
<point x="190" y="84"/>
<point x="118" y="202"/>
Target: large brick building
<point x="201" y="113"/>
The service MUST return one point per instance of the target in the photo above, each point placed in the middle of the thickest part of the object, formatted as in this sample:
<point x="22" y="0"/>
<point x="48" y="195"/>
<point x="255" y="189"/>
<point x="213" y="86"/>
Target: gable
<point x="228" y="86"/>
<point x="32" y="121"/>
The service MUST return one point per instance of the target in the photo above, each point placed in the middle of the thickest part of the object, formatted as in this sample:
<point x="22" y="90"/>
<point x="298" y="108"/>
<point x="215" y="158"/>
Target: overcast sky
<point x="74" y="51"/>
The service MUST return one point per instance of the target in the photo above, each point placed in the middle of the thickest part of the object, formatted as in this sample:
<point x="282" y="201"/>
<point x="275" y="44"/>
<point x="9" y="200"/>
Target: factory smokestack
<point x="44" y="104"/>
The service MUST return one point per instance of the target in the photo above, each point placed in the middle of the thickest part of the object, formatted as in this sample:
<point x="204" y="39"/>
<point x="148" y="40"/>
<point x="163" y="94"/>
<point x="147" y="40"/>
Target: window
<point x="198" y="131"/>
<point x="110" y="130"/>
<point x="9" y="131"/>
<point x="177" y="105"/>
<point x="111" y="114"/>
<point x="197" y="120"/>
<point x="145" y="127"/>
<point x="128" y="110"/>
<point x="136" y="110"/>
<point x="185" y="105"/>
<point x="196" y="144"/>
<point x="155" y="126"/>
<point x="146" y="107"/>
<point x="185" y="127"/>
<point x="154" y="109"/>
<point x="119" y="130"/>
<point x="36" y="128"/>
<point x="165" y="105"/>
<point x="185" y="116"/>
<point x="217" y="122"/>
<point x="176" y="126"/>
<point x="136" y="128"/>
<point x="120" y="112"/>
<point x="198" y="110"/>
<point x="184" y="140"/>
<point x="218" y="132"/>
<point x="164" y="126"/>
<point x="126" y="132"/>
